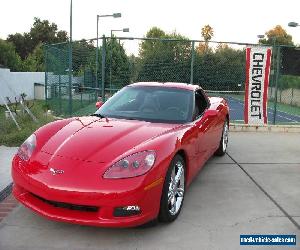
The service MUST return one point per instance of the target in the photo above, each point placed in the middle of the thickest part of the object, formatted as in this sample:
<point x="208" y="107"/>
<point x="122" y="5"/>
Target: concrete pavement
<point x="252" y="190"/>
<point x="6" y="155"/>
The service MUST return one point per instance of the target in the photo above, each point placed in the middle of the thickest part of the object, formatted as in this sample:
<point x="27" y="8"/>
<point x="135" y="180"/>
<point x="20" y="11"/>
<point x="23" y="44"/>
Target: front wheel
<point x="224" y="140"/>
<point x="173" y="190"/>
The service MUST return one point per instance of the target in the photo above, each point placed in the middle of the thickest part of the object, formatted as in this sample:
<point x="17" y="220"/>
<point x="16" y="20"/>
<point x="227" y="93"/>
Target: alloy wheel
<point x="176" y="188"/>
<point x="225" y="136"/>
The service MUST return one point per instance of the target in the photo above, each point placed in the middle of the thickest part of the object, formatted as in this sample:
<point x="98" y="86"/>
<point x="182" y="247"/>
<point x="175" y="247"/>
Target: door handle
<point x="219" y="107"/>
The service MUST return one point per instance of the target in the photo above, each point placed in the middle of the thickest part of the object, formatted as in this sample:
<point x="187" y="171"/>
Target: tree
<point x="133" y="67"/>
<point x="35" y="61"/>
<point x="8" y="56"/>
<point x="117" y="70"/>
<point x="222" y="68"/>
<point x="163" y="60"/>
<point x="42" y="31"/>
<point x="148" y="47"/>
<point x="82" y="52"/>
<point x="277" y="35"/>
<point x="222" y="46"/>
<point x="22" y="43"/>
<point x="207" y="33"/>
<point x="117" y="63"/>
<point x="230" y="67"/>
<point x="57" y="58"/>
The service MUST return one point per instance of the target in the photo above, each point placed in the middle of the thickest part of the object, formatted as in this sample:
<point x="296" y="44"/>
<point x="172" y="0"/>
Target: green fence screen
<point x="219" y="68"/>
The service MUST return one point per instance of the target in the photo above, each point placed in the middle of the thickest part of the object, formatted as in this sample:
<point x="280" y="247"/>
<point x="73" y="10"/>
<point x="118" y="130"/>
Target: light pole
<point x="123" y="30"/>
<point x="115" y="15"/>
<point x="110" y="68"/>
<point x="70" y="60"/>
<point x="272" y="38"/>
<point x="260" y="36"/>
<point x="293" y="24"/>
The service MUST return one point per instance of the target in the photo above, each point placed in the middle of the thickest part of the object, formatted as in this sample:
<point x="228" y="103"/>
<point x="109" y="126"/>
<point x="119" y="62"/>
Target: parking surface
<point x="255" y="189"/>
<point x="6" y="154"/>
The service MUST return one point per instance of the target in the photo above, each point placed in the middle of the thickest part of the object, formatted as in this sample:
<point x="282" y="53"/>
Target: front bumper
<point x="34" y="195"/>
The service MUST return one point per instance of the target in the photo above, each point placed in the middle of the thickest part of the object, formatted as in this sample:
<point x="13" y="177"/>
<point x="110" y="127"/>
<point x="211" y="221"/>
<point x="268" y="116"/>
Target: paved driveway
<point x="255" y="189"/>
<point x="6" y="154"/>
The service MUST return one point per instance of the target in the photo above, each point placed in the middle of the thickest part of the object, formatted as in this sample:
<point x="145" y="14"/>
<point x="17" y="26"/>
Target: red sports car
<point x="127" y="164"/>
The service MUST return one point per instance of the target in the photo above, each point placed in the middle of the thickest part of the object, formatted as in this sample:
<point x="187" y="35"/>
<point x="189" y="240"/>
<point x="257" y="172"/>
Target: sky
<point x="232" y="20"/>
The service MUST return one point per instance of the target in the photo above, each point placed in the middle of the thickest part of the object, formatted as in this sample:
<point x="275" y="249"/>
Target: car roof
<point x="178" y="85"/>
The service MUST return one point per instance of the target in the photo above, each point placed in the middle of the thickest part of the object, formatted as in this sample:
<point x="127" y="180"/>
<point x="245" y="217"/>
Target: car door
<point x="216" y="120"/>
<point x="202" y="127"/>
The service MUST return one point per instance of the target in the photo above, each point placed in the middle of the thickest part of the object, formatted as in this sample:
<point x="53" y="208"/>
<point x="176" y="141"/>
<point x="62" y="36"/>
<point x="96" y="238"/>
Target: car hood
<point x="101" y="140"/>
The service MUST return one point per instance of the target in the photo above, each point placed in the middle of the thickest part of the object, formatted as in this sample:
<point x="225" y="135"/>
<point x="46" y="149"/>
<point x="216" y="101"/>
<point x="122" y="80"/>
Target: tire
<point x="173" y="191"/>
<point x="224" y="140"/>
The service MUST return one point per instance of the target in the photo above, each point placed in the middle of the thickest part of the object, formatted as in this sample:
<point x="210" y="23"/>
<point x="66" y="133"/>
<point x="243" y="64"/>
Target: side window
<point x="201" y="104"/>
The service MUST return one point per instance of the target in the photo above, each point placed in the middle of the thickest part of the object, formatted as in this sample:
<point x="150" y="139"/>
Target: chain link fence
<point x="217" y="67"/>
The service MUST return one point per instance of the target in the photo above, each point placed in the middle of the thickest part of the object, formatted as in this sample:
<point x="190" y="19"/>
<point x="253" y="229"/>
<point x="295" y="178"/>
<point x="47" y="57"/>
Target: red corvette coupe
<point x="127" y="164"/>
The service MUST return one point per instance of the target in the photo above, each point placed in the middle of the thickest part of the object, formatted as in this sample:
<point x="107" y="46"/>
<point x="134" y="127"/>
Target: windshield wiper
<point x="98" y="115"/>
<point x="129" y="118"/>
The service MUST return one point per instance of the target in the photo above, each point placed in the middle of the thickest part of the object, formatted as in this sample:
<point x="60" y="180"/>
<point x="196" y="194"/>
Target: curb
<point x="6" y="192"/>
<point x="7" y="206"/>
<point x="235" y="127"/>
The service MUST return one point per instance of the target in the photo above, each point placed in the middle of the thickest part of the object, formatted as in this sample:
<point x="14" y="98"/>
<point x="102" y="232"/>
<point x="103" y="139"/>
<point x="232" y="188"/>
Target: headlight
<point x="26" y="149"/>
<point x="133" y="165"/>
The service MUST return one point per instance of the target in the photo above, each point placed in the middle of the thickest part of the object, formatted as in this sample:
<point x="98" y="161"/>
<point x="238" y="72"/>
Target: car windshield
<point x="154" y="104"/>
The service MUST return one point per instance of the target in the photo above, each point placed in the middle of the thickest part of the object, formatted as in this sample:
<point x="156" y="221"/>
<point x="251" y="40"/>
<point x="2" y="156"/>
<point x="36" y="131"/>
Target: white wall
<point x="64" y="79"/>
<point x="15" y="83"/>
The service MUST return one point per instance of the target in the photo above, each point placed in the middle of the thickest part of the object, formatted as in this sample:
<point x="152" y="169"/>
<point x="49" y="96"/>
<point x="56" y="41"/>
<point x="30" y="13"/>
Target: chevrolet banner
<point x="258" y="62"/>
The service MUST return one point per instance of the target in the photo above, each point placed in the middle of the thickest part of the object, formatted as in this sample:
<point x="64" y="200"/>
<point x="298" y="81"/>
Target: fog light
<point x="127" y="211"/>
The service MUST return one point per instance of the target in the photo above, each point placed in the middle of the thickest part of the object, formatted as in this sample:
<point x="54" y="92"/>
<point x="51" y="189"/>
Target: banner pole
<point x="276" y="83"/>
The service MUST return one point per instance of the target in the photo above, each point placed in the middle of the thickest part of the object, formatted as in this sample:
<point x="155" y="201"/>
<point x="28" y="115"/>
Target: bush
<point x="11" y="136"/>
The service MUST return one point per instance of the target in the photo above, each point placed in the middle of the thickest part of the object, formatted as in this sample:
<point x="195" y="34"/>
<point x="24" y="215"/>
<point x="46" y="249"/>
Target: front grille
<point x="70" y="206"/>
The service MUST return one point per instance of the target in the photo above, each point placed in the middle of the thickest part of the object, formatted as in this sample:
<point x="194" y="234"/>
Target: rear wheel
<point x="224" y="140"/>
<point x="173" y="190"/>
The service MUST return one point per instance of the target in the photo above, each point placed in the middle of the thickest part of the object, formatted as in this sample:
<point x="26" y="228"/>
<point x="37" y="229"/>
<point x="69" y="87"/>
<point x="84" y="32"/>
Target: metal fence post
<point x="97" y="47"/>
<point x="192" y="62"/>
<point x="110" y="64"/>
<point x="103" y="68"/>
<point x="276" y="83"/>
<point x="59" y="93"/>
<point x="272" y="76"/>
<point x="46" y="70"/>
<point x="70" y="64"/>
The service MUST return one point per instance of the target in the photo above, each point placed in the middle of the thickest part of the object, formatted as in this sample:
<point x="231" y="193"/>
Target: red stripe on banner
<point x="248" y="50"/>
<point x="266" y="85"/>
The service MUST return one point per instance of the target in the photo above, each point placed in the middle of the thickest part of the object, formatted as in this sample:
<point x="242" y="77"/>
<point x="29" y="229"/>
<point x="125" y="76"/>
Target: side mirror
<point x="99" y="104"/>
